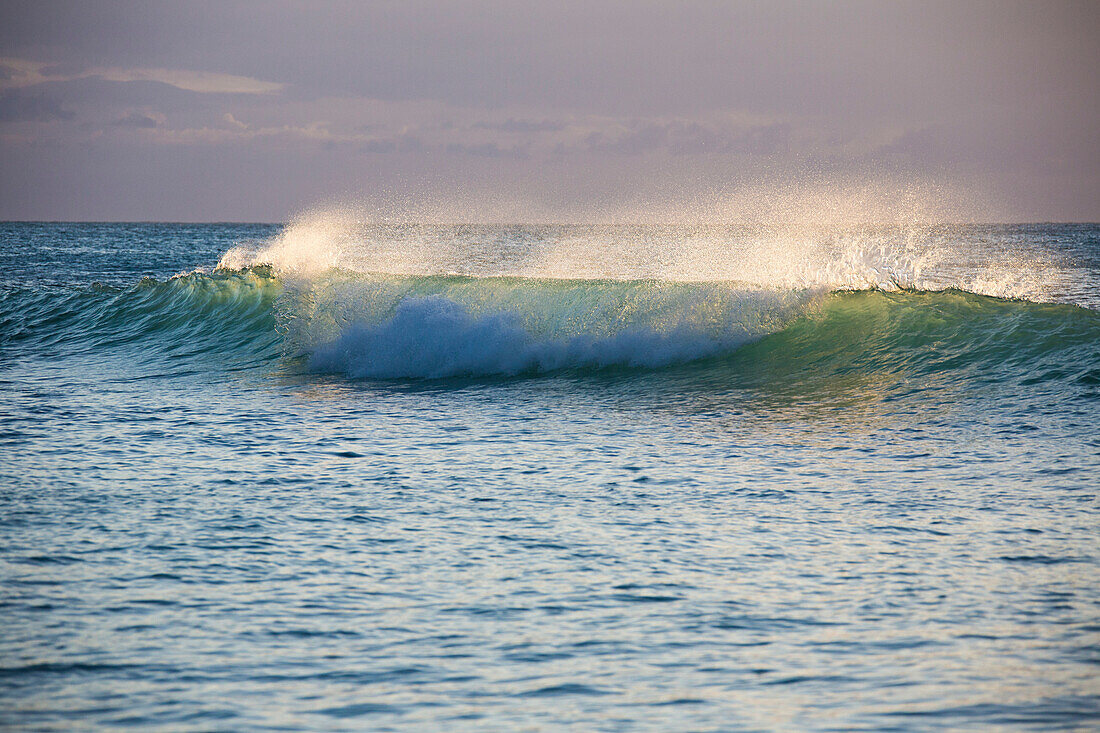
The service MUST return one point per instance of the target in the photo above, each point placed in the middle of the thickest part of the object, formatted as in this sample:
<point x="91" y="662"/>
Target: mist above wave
<point x="766" y="238"/>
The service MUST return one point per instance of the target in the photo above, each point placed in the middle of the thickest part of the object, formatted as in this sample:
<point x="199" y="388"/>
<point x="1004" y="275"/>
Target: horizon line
<point x="183" y="222"/>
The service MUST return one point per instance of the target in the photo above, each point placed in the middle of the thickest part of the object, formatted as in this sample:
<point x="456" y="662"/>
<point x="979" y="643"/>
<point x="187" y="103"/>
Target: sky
<point x="235" y="111"/>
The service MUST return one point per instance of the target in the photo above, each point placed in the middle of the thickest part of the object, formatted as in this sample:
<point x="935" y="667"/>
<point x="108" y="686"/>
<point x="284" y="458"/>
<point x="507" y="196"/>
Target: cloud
<point x="406" y="142"/>
<point x="22" y="107"/>
<point x="137" y="120"/>
<point x="202" y="82"/>
<point x="16" y="73"/>
<point x="488" y="150"/>
<point x="687" y="137"/>
<point x="521" y="126"/>
<point x="379" y="146"/>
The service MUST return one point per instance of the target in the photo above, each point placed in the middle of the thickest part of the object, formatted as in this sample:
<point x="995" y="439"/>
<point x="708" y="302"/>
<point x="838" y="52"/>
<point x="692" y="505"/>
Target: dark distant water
<point x="458" y="494"/>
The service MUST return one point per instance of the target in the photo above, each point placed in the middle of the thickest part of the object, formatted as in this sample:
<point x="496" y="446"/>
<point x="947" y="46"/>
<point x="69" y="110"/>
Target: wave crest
<point x="885" y="257"/>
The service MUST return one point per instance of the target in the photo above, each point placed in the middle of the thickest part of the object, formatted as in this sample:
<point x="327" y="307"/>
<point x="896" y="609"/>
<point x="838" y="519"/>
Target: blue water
<point x="332" y="485"/>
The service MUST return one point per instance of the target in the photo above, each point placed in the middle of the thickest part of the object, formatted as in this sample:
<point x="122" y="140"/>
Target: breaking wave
<point x="429" y="327"/>
<point x="333" y="293"/>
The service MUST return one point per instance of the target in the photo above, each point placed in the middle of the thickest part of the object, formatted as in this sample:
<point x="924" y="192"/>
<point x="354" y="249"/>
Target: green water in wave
<point x="747" y="335"/>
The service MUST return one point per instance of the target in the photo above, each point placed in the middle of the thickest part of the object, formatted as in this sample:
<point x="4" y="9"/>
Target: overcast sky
<point x="192" y="111"/>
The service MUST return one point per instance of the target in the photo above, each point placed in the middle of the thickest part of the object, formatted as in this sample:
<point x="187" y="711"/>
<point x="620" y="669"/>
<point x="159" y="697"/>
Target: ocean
<point x="343" y="475"/>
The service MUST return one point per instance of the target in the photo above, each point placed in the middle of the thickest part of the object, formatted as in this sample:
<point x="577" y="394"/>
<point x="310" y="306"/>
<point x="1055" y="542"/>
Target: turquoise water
<point x="498" y="478"/>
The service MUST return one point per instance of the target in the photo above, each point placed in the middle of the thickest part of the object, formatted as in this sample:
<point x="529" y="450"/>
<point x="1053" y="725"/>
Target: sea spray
<point x="372" y="296"/>
<point x="795" y="240"/>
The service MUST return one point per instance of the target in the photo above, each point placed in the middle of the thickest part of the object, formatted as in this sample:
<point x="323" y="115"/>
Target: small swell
<point x="183" y="316"/>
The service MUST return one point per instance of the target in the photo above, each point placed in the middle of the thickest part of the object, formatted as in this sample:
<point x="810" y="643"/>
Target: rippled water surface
<point x="487" y="499"/>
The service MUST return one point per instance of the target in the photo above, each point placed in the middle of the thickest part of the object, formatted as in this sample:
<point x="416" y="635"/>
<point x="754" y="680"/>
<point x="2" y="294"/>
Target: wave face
<point x="187" y="315"/>
<point x="437" y="337"/>
<point x="438" y="327"/>
<point x="933" y="338"/>
<point x="389" y="326"/>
